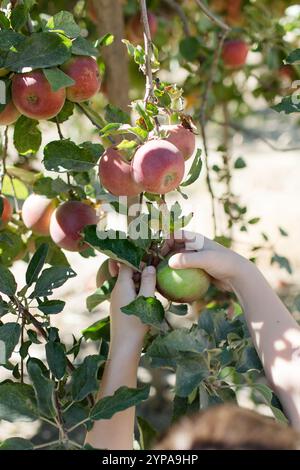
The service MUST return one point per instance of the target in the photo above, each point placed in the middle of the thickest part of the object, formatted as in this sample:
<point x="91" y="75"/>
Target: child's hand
<point x="125" y="327"/>
<point x="222" y="264"/>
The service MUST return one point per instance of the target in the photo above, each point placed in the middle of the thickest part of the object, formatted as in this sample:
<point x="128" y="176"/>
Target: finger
<point x="199" y="259"/>
<point x="113" y="267"/>
<point x="148" y="282"/>
<point x="125" y="273"/>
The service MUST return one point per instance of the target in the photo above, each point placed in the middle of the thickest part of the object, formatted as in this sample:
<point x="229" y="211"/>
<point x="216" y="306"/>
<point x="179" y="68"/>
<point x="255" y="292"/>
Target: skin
<point x="36" y="213"/>
<point x="158" y="166"/>
<point x="184" y="285"/>
<point x="182" y="138"/>
<point x="33" y="96"/>
<point x="276" y="335"/>
<point x="67" y="223"/>
<point x="7" y="212"/>
<point x="127" y="334"/>
<point x="85" y="73"/>
<point x="116" y="174"/>
<point x="9" y="115"/>
<point x="234" y="53"/>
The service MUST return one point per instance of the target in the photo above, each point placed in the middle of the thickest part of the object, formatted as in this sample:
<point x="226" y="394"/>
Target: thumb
<point x="198" y="259"/>
<point x="148" y="282"/>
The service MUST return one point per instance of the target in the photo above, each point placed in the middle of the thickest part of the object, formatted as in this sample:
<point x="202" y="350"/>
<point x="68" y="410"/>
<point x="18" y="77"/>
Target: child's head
<point x="229" y="427"/>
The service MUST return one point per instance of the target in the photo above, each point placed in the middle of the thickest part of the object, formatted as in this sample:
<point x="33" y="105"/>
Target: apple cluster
<point x="157" y="166"/>
<point x="32" y="95"/>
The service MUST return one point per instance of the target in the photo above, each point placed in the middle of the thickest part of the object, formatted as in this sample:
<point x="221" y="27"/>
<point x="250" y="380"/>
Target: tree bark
<point x="110" y="19"/>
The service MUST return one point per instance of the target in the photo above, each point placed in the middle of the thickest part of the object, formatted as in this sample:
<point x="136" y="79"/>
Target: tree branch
<point x="180" y="12"/>
<point x="212" y="17"/>
<point x="148" y="53"/>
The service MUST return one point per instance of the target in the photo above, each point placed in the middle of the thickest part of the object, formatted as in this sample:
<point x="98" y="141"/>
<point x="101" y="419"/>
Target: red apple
<point x="235" y="53"/>
<point x="116" y="174"/>
<point x="67" y="223"/>
<point x="36" y="213"/>
<point x="158" y="166"/>
<point x="7" y="211"/>
<point x="9" y="114"/>
<point x="182" y="138"/>
<point x="135" y="28"/>
<point x="33" y="96"/>
<point x="85" y="72"/>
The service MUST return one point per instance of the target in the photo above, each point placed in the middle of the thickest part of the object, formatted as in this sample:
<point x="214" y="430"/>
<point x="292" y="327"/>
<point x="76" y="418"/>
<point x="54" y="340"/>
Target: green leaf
<point x="249" y="360"/>
<point x="148" y="434"/>
<point x="283" y="262"/>
<point x="189" y="48"/>
<point x="14" y="187"/>
<point x="62" y="155"/>
<point x="195" y="170"/>
<point x="17" y="402"/>
<point x="288" y="105"/>
<point x="4" y="22"/>
<point x="4" y="308"/>
<point x="115" y="114"/>
<point x="18" y="17"/>
<point x="27" y="136"/>
<point x="240" y="163"/>
<point x="39" y="50"/>
<point x="8" y="283"/>
<point x="148" y="309"/>
<point x="75" y="414"/>
<point x="52" y="307"/>
<point x="268" y="395"/>
<point x="57" y="78"/>
<point x="52" y="278"/>
<point x="122" y="399"/>
<point x="191" y="371"/>
<point x="98" y="330"/>
<point x="84" y="378"/>
<point x="9" y="39"/>
<point x="254" y="221"/>
<point x="115" y="245"/>
<point x="56" y="359"/>
<point x="178" y="309"/>
<point x="82" y="46"/>
<point x="100" y="295"/>
<point x="64" y="22"/>
<point x="44" y="387"/>
<point x="106" y="40"/>
<point x="140" y="109"/>
<point x="293" y="57"/>
<point x="24" y="349"/>
<point x="36" y="263"/>
<point x="65" y="113"/>
<point x="9" y="338"/>
<point x="16" y="443"/>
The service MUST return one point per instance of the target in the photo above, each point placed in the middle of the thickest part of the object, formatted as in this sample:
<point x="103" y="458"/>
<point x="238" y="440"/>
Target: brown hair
<point x="229" y="427"/>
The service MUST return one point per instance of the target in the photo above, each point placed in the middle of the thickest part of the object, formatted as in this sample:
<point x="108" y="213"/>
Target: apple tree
<point x="56" y="65"/>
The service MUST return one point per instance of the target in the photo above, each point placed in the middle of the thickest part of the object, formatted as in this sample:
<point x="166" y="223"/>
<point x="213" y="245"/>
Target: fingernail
<point x="149" y="270"/>
<point x="173" y="261"/>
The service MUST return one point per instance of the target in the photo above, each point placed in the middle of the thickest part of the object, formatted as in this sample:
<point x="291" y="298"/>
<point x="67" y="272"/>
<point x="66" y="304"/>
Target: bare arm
<point x="275" y="333"/>
<point x="127" y="335"/>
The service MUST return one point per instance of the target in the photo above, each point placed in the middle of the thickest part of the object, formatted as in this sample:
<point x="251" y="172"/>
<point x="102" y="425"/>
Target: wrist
<point x="244" y="271"/>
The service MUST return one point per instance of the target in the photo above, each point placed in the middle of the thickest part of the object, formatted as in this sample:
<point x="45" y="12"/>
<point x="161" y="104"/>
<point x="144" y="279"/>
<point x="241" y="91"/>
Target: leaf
<point x="9" y="338"/>
<point x="122" y="399"/>
<point x="65" y="113"/>
<point x="100" y="295"/>
<point x="84" y="378"/>
<point x="50" y="279"/>
<point x="106" y="40"/>
<point x="64" y="22"/>
<point x="293" y="57"/>
<point x="56" y="359"/>
<point x="178" y="309"/>
<point x="148" y="309"/>
<point x="240" y="163"/>
<point x="44" y="387"/>
<point x="191" y="371"/>
<point x="115" y="245"/>
<point x="75" y="414"/>
<point x="288" y="105"/>
<point x="148" y="434"/>
<point x="189" y="48"/>
<point x="283" y="262"/>
<point x="39" y="50"/>
<point x="15" y="188"/>
<point x="9" y="39"/>
<point x="64" y="155"/>
<point x="18" y="17"/>
<point x="52" y="307"/>
<point x="4" y="22"/>
<point x="8" y="283"/>
<point x="114" y="114"/>
<point x="195" y="170"/>
<point x="98" y="330"/>
<point x="27" y="136"/>
<point x="16" y="443"/>
<point x="249" y="360"/>
<point x="82" y="46"/>
<point x="4" y="308"/>
<point x="36" y="263"/>
<point x="57" y="78"/>
<point x="17" y="402"/>
<point x="268" y="396"/>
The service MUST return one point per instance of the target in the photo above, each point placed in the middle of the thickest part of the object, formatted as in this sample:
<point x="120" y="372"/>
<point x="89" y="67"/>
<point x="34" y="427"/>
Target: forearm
<point x="275" y="334"/>
<point x="120" y="370"/>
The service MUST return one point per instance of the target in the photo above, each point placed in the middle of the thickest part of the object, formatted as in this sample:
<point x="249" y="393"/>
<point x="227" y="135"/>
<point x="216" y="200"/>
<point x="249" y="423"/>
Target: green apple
<point x="181" y="285"/>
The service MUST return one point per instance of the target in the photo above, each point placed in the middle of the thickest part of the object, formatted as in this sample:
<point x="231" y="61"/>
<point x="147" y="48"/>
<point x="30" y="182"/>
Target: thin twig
<point x="226" y="162"/>
<point x="62" y="431"/>
<point x="59" y="129"/>
<point x="81" y="423"/>
<point x="180" y="12"/>
<point x="212" y="17"/>
<point x="4" y="157"/>
<point x="148" y="53"/>
<point x="47" y="444"/>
